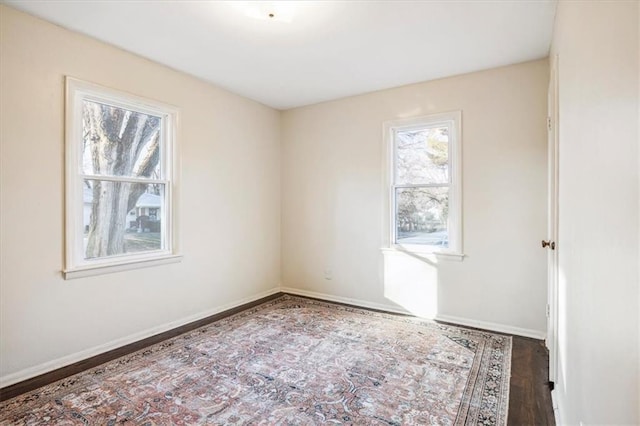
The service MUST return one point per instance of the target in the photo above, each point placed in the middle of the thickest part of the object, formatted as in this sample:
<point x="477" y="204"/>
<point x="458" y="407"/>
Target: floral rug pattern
<point x="292" y="361"/>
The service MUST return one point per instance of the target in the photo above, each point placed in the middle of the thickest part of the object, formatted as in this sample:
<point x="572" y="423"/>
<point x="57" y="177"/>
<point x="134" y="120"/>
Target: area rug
<point x="293" y="361"/>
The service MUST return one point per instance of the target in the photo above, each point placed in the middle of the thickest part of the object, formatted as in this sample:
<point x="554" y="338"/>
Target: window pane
<point x="421" y="216"/>
<point x="121" y="217"/>
<point x="119" y="142"/>
<point x="422" y="156"/>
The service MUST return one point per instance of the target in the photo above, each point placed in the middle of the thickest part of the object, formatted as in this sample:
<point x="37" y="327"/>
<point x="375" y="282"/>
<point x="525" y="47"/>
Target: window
<point x="424" y="183"/>
<point x="120" y="164"/>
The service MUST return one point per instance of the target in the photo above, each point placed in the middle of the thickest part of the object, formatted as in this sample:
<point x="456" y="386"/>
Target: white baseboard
<point x="556" y="408"/>
<point x="48" y="366"/>
<point x="501" y="328"/>
<point x="346" y="300"/>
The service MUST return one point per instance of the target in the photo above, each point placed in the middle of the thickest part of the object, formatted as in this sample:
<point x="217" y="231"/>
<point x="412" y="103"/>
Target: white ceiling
<point x="327" y="50"/>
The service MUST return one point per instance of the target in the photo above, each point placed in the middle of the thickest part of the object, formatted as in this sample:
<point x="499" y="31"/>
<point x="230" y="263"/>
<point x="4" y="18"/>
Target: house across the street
<point x="145" y="216"/>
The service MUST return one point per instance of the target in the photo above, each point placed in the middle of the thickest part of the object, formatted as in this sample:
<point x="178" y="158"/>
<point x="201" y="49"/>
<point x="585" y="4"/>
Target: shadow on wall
<point x="411" y="281"/>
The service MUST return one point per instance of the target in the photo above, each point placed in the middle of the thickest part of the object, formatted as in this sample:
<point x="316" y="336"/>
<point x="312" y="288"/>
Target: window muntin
<point x="425" y="183"/>
<point x="120" y="157"/>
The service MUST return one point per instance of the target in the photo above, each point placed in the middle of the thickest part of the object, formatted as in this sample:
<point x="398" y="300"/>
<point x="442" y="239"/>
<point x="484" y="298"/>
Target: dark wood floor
<point x="529" y="397"/>
<point x="529" y="393"/>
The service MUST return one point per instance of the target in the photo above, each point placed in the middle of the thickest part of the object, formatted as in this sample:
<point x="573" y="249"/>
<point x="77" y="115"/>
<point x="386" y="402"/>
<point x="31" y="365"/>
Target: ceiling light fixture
<point x="281" y="11"/>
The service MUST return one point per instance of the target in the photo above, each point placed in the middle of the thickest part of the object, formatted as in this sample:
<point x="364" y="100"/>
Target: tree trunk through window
<point x="122" y="143"/>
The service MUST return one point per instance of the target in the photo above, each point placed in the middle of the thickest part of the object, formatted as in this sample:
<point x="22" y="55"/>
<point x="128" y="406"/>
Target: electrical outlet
<point x="328" y="274"/>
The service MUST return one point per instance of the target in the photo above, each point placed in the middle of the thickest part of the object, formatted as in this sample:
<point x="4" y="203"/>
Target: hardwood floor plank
<point x="530" y="396"/>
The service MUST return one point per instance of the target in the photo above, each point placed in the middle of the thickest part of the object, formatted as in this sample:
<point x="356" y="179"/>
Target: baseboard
<point x="500" y="328"/>
<point x="346" y="300"/>
<point x="556" y="407"/>
<point x="47" y="367"/>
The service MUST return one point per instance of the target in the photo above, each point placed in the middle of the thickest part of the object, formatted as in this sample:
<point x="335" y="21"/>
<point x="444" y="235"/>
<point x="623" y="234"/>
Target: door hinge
<point x="549" y="123"/>
<point x="552" y="385"/>
<point x="548" y="311"/>
<point x="548" y="243"/>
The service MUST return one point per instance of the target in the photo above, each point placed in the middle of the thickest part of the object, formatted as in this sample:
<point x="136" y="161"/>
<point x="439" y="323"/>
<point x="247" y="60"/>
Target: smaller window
<point x="120" y="162"/>
<point x="424" y="184"/>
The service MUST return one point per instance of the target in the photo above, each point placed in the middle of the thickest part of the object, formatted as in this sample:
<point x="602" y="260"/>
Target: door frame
<point x="552" y="218"/>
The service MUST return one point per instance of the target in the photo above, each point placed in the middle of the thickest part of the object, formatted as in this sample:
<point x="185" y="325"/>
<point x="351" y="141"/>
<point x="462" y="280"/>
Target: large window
<point x="120" y="187"/>
<point x="424" y="183"/>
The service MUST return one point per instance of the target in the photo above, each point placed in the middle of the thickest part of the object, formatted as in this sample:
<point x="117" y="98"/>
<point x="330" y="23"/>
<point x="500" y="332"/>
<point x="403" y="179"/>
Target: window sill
<point x="449" y="256"/>
<point x="88" y="271"/>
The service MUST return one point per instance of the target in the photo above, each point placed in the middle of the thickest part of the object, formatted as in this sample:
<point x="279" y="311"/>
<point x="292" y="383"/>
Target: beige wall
<point x="333" y="197"/>
<point x="230" y="203"/>
<point x="598" y="47"/>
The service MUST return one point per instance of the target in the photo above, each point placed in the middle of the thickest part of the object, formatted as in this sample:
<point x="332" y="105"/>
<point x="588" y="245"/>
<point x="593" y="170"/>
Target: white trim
<point x="553" y="218"/>
<point x="489" y="326"/>
<point x="75" y="263"/>
<point x="556" y="407"/>
<point x="346" y="300"/>
<point x="92" y="270"/>
<point x="492" y="326"/>
<point x="46" y="367"/>
<point x="441" y="255"/>
<point x="453" y="120"/>
<point x="125" y="179"/>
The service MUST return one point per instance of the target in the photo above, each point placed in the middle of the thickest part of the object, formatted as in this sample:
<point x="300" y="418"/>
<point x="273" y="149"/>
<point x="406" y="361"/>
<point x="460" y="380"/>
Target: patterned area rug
<point x="290" y="361"/>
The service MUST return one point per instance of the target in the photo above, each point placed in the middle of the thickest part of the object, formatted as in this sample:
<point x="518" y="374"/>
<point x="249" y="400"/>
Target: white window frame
<point x="76" y="265"/>
<point x="452" y="120"/>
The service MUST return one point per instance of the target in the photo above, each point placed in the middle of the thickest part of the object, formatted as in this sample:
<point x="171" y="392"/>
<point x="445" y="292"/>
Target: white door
<point x="551" y="243"/>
